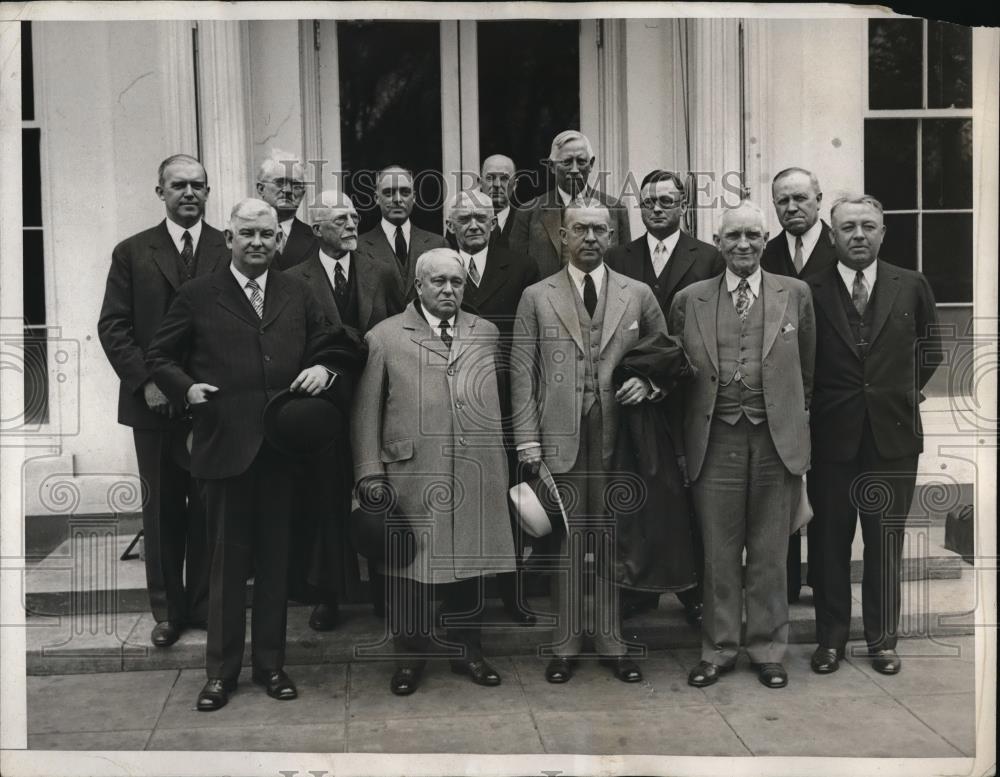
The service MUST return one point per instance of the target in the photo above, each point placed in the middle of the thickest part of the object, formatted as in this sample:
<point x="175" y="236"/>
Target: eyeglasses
<point x="341" y="221"/>
<point x="282" y="183"/>
<point x="665" y="203"/>
<point x="600" y="230"/>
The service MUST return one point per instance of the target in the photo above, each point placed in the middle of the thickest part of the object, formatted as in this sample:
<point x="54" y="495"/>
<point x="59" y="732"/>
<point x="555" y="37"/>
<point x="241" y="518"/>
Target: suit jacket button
<point x="261" y="330"/>
<point x="451" y="370"/>
<point x="267" y="358"/>
<point x="712" y="379"/>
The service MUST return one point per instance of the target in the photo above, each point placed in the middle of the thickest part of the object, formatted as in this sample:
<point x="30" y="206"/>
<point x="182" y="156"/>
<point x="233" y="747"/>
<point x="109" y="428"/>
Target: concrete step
<point x="112" y="642"/>
<point x="84" y="573"/>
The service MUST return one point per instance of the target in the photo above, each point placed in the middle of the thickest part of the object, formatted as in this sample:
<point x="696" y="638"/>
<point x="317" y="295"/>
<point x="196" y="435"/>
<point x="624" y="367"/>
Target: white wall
<point x="276" y="108"/>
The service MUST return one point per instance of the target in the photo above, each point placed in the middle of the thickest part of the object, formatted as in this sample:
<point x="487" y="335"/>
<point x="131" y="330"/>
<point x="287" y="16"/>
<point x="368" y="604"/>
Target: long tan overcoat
<point x="428" y="419"/>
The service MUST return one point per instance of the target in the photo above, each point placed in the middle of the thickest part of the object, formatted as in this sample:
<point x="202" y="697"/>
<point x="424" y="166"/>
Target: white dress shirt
<point x="669" y="244"/>
<point x="177" y="234"/>
<point x="390" y="232"/>
<point x="435" y="323"/>
<point x="286" y="226"/>
<point x="502" y="217"/>
<point x="479" y="260"/>
<point x="241" y="279"/>
<point x="330" y="265"/>
<point x="577" y="276"/>
<point x="847" y="276"/>
<point x="809" y="240"/>
<point x="584" y="196"/>
<point x="753" y="281"/>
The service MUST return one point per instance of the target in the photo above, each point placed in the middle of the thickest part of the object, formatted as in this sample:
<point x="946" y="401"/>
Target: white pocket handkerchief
<point x="787" y="328"/>
<point x="633" y="325"/>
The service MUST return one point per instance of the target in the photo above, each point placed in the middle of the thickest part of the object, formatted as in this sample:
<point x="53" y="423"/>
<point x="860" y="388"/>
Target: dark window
<point x="891" y="162"/>
<point x="947" y="164"/>
<point x="900" y="244"/>
<point x="31" y="179"/>
<point x="947" y="255"/>
<point x="27" y="75"/>
<point x="529" y="76"/>
<point x="949" y="65"/>
<point x="895" y="48"/>
<point x="390" y="112"/>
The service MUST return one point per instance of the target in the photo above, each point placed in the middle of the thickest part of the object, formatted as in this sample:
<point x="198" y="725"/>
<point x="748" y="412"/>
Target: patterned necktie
<point x="187" y="253"/>
<point x="797" y="259"/>
<point x="446" y="337"/>
<point x="339" y="280"/>
<point x="256" y="297"/>
<point x="743" y="299"/>
<point x="659" y="258"/>
<point x="400" y="246"/>
<point x="589" y="295"/>
<point x="859" y="293"/>
<point x="474" y="275"/>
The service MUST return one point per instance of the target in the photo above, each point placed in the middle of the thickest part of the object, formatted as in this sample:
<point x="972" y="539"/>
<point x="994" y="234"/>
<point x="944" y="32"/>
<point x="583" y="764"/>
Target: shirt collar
<point x="502" y="217"/>
<point x="390" y="231"/>
<point x="669" y="243"/>
<point x="241" y="279"/>
<point x="577" y="275"/>
<point x="586" y="194"/>
<point x="847" y="274"/>
<point x="328" y="262"/>
<point x="286" y="225"/>
<point x="479" y="258"/>
<point x="753" y="281"/>
<point x="434" y="322"/>
<point x="809" y="240"/>
<point x="177" y="234"/>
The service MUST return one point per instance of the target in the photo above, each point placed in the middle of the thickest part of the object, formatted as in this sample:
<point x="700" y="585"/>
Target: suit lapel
<point x="887" y="285"/>
<point x="315" y="274"/>
<point x="705" y="311"/>
<point x="615" y="306"/>
<point x="234" y="299"/>
<point x="165" y="255"/>
<point x="552" y="220"/>
<point x="275" y="298"/>
<point x="497" y="262"/>
<point x="466" y="329"/>
<point x="365" y="278"/>
<point x="560" y="297"/>
<point x="211" y="247"/>
<point x="420" y="332"/>
<point x="679" y="263"/>
<point x="827" y="297"/>
<point x="775" y="302"/>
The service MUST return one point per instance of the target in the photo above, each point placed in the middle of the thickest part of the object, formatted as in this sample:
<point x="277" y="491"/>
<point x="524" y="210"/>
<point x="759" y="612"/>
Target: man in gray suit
<point x="571" y="331"/>
<point x="396" y="239"/>
<point x="751" y="338"/>
<point x="536" y="231"/>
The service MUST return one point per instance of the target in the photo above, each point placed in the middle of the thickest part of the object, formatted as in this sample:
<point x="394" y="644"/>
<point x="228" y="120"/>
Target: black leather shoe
<point x="215" y="694"/>
<point x="480" y="671"/>
<point x="325" y="617"/>
<point x="772" y="675"/>
<point x="406" y="679"/>
<point x="559" y="670"/>
<point x="706" y="674"/>
<point x="693" y="613"/>
<point x="625" y="668"/>
<point x="165" y="633"/>
<point x="886" y="662"/>
<point x="278" y="684"/>
<point x="825" y="660"/>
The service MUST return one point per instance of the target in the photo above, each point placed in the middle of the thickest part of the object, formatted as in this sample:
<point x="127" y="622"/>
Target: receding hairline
<point x="427" y="257"/>
<point x="568" y="136"/>
<point x="586" y="206"/>
<point x="178" y="159"/>
<point x="507" y="161"/>
<point x="744" y="207"/>
<point x="389" y="170"/>
<point x="287" y="165"/>
<point x="248" y="208"/>
<point x="782" y="174"/>
<point x="468" y="200"/>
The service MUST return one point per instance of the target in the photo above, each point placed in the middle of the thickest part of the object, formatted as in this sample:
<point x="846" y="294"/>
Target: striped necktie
<point x="256" y="297"/>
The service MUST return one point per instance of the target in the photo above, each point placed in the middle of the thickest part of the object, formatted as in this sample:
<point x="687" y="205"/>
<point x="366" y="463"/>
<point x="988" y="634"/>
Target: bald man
<point x="497" y="180"/>
<point x="281" y="184"/>
<point x="751" y="337"/>
<point x="230" y="342"/>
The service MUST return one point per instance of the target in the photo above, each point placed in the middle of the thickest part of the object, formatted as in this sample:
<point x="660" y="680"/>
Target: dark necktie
<point x="859" y="293"/>
<point x="339" y="280"/>
<point x="743" y="299"/>
<point x="400" y="246"/>
<point x="589" y="295"/>
<point x="798" y="260"/>
<point x="446" y="337"/>
<point x="187" y="253"/>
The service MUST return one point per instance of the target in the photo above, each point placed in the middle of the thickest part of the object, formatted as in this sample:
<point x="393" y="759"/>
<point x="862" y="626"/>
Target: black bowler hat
<point x="297" y="424"/>
<point x="379" y="532"/>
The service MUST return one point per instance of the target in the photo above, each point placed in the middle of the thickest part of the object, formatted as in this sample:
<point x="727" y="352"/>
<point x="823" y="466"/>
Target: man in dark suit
<point x="495" y="279"/>
<point x="877" y="346"/>
<point x="536" y="228"/>
<point x="666" y="259"/>
<point x="802" y="250"/>
<point x="750" y="336"/>
<point x="146" y="271"/>
<point x="396" y="239"/>
<point x="281" y="184"/>
<point x="356" y="293"/>
<point x="497" y="181"/>
<point x="230" y="342"/>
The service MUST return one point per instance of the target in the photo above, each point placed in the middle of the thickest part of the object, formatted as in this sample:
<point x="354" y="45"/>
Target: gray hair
<point x="801" y="170"/>
<point x="330" y="201"/>
<point x="248" y="208"/>
<point x="281" y="164"/>
<point x="745" y="206"/>
<point x="436" y="253"/>
<point x="856" y="199"/>
<point x="472" y="199"/>
<point x="568" y="136"/>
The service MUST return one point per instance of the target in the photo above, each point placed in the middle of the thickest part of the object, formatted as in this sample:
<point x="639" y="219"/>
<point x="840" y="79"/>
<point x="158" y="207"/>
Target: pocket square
<point x="633" y="325"/>
<point x="787" y="328"/>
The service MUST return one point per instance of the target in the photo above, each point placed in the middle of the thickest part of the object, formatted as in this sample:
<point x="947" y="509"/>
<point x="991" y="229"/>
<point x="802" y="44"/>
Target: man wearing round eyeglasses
<point x="572" y="330"/>
<point x="536" y="230"/>
<point x="281" y="184"/>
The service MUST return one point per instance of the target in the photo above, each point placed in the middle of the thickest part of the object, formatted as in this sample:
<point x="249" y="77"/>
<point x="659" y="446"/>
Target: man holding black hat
<point x="230" y="342"/>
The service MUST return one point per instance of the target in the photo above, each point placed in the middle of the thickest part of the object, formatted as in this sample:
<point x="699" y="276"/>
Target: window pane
<point x="900" y="244"/>
<point x="519" y="111"/>
<point x="36" y="377"/>
<point x="31" y="177"/>
<point x="891" y="162"/>
<point x="27" y="75"/>
<point x="947" y="159"/>
<point x="949" y="65"/>
<point x="390" y="111"/>
<point x="947" y="255"/>
<point x="34" y="277"/>
<point x="894" y="66"/>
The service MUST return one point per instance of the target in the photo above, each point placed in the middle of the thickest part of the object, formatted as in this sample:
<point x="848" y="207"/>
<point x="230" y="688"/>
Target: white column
<point x="225" y="107"/>
<point x="757" y="63"/>
<point x="612" y="102"/>
<point x="312" y="143"/>
<point x="715" y="95"/>
<point x="177" y="87"/>
<point x="329" y="100"/>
